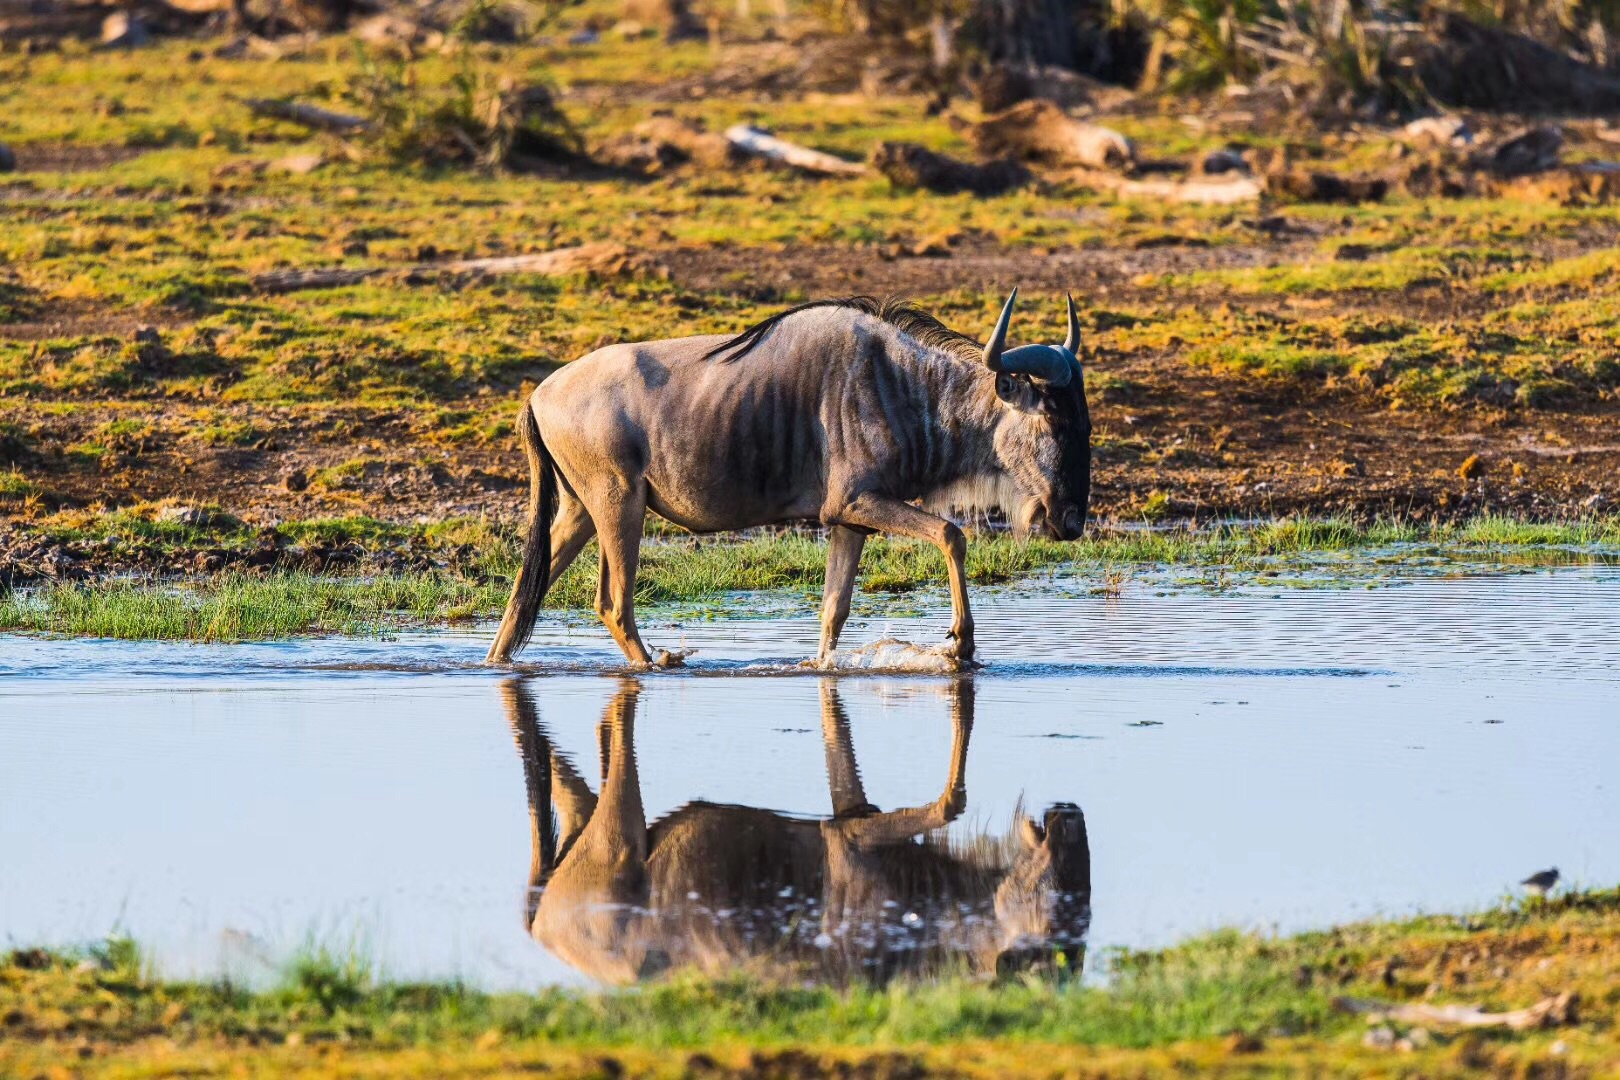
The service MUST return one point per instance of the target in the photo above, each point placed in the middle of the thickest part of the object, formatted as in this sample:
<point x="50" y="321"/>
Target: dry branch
<point x="752" y="140"/>
<point x="613" y="259"/>
<point x="308" y="115"/>
<point x="1545" y="1013"/>
<point x="1224" y="190"/>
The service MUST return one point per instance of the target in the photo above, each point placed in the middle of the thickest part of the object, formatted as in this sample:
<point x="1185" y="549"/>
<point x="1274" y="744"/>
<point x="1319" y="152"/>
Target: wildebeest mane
<point x="905" y="316"/>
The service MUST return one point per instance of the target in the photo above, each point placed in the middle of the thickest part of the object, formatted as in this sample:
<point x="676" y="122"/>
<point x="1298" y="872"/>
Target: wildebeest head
<point x="1043" y="904"/>
<point x="1044" y="439"/>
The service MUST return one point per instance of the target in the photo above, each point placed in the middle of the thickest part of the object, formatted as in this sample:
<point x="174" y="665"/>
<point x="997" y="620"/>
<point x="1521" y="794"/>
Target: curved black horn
<point x="1072" y="342"/>
<point x="1048" y="363"/>
<point x="998" y="339"/>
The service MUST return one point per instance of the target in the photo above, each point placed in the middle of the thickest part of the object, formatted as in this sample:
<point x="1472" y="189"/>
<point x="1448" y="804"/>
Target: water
<point x="1268" y="759"/>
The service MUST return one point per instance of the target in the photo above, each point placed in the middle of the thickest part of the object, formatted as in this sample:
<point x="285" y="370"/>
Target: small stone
<point x="1217" y="162"/>
<point x="1381" y="1037"/>
<point x="299" y="164"/>
<point x="189" y="516"/>
<point x="125" y="31"/>
<point x="1240" y="1042"/>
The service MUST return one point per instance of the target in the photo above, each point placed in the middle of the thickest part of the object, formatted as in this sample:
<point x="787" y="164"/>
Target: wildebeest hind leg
<point x="903" y="519"/>
<point x="570" y="532"/>
<point x="620" y="516"/>
<point x="843" y="561"/>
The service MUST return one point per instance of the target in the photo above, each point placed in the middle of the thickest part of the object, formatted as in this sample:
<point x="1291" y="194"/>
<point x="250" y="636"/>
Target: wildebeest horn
<point x="1072" y="342"/>
<point x="1048" y="363"/>
<point x="998" y="339"/>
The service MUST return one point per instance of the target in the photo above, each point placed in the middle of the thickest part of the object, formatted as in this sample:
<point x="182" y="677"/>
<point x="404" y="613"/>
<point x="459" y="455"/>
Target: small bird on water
<point x="1541" y="884"/>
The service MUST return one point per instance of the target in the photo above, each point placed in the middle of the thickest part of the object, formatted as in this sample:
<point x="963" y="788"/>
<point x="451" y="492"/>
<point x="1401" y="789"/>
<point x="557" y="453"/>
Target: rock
<point x="8" y="160"/>
<point x="1217" y="162"/>
<point x="1307" y="186"/>
<point x="1430" y="132"/>
<point x="299" y="164"/>
<point x="190" y="516"/>
<point x="149" y="347"/>
<point x="584" y="37"/>
<point x="1531" y="151"/>
<point x="121" y="30"/>
<point x="663" y="143"/>
<point x="1240" y="1042"/>
<point x="1381" y="1037"/>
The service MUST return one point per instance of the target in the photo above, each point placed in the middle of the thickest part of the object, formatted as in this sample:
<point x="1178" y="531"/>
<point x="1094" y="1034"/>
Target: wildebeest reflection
<point x="864" y="895"/>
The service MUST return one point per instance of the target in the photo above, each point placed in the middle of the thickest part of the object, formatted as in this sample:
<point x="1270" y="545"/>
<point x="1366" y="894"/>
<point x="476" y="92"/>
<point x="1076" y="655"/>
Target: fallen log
<point x="1224" y="190"/>
<point x="1304" y="185"/>
<point x="752" y="140"/>
<point x="309" y="116"/>
<point x="908" y="165"/>
<point x="603" y="258"/>
<point x="1545" y="1013"/>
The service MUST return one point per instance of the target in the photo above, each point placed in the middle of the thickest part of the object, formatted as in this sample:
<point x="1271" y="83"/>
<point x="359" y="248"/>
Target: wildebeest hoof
<point x="668" y="659"/>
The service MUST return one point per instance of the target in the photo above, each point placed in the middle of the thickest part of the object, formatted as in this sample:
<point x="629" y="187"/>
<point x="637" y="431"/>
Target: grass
<point x="476" y="560"/>
<point x="1225" y="1000"/>
<point x="180" y="230"/>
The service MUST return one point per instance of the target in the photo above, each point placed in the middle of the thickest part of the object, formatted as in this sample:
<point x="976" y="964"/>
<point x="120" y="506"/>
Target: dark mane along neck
<point x="905" y="316"/>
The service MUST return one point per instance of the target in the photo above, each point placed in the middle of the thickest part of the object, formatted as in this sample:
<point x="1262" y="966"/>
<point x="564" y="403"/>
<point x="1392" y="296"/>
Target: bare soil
<point x="1212" y="444"/>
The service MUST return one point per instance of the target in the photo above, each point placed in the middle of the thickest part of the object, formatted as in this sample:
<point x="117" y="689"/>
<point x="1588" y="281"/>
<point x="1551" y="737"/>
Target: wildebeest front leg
<point x="620" y="517"/>
<point x="893" y="826"/>
<point x="898" y="518"/>
<point x="844" y="546"/>
<point x="843" y="774"/>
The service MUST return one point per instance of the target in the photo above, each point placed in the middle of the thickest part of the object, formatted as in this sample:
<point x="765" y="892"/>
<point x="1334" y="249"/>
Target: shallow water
<point x="1261" y="758"/>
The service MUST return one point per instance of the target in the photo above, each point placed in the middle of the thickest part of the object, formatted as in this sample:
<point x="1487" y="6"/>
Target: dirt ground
<point x="1213" y="445"/>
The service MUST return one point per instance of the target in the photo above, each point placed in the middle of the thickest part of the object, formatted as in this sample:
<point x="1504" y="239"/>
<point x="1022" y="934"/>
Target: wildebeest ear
<point x="1017" y="391"/>
<point x="1030" y="832"/>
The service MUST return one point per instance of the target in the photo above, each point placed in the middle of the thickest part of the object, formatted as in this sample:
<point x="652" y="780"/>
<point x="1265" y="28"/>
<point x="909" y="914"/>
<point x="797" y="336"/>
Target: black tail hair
<point x="534" y="748"/>
<point x="534" y="578"/>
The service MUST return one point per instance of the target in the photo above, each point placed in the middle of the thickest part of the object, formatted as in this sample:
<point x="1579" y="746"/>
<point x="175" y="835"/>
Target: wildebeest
<point x="845" y="412"/>
<point x="864" y="895"/>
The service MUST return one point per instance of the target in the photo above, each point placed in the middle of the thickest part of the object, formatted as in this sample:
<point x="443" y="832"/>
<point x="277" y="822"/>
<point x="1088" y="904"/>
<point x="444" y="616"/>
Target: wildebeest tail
<point x="534" y="748"/>
<point x="534" y="577"/>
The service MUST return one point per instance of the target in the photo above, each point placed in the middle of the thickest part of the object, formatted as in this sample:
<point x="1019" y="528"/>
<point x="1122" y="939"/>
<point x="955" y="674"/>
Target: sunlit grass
<point x="676" y="568"/>
<point x="1277" y="993"/>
